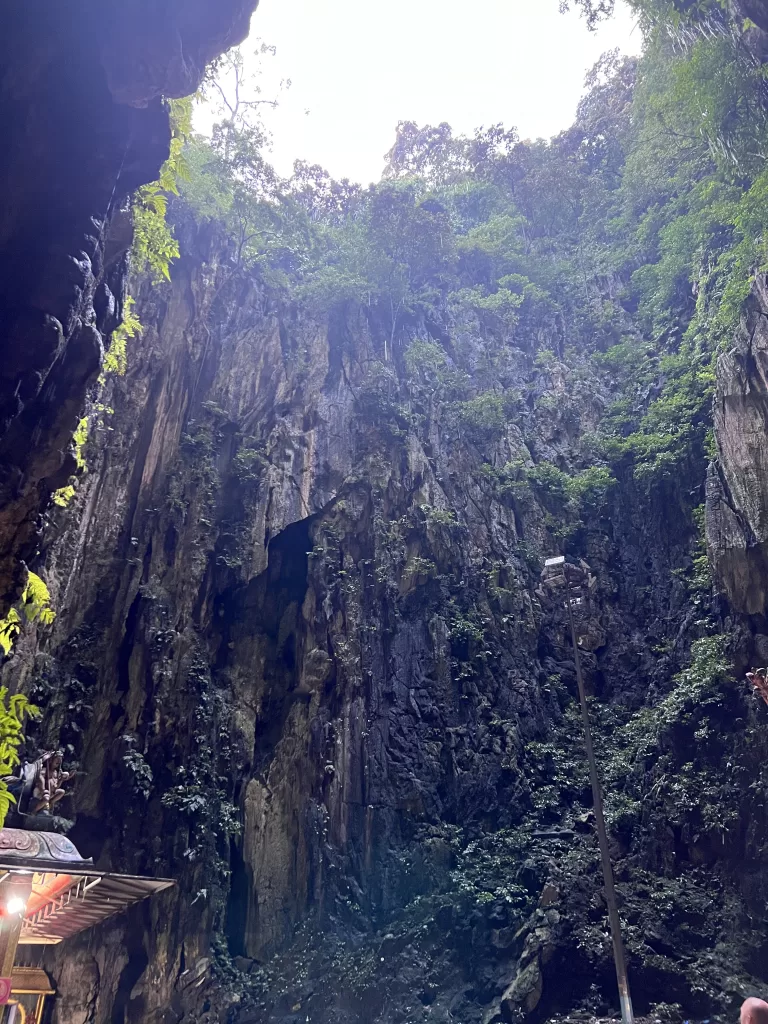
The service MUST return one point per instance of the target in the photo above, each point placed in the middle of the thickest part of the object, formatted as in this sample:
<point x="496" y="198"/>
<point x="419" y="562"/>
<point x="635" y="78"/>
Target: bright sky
<point x="358" y="67"/>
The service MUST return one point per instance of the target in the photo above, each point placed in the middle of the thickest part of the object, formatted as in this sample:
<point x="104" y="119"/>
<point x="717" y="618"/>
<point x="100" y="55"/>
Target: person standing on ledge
<point x="754" y="1011"/>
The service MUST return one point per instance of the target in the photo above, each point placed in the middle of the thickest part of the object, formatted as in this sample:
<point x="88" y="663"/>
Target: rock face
<point x="303" y="655"/>
<point x="755" y="10"/>
<point x="83" y="126"/>
<point x="737" y="486"/>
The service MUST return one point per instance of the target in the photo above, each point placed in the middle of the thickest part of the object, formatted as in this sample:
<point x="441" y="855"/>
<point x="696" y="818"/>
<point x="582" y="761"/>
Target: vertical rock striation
<point x="83" y="126"/>
<point x="737" y="485"/>
<point x="302" y="654"/>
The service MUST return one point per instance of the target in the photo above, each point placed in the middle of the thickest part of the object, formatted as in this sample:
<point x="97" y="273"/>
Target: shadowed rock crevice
<point x="84" y="125"/>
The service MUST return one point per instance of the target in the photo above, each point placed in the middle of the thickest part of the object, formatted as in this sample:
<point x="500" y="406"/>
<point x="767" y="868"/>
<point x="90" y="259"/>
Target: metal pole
<point x="627" y="1016"/>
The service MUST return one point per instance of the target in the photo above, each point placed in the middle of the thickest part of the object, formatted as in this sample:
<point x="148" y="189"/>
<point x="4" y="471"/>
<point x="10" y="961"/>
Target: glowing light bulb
<point x="16" y="905"/>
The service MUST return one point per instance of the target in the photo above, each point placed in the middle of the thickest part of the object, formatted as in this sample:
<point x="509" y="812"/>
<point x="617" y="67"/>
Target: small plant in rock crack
<point x="250" y="464"/>
<point x="418" y="566"/>
<point x="198" y="801"/>
<point x="697" y="576"/>
<point x="439" y="516"/>
<point x="34" y="606"/>
<point x="462" y="629"/>
<point x="64" y="495"/>
<point x="230" y="561"/>
<point x="139" y="772"/>
<point x="197" y="442"/>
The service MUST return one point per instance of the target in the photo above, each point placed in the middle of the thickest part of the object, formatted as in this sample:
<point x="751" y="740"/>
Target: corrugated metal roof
<point x="69" y="900"/>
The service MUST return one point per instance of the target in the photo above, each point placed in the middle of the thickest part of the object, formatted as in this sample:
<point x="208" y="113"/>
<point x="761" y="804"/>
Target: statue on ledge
<point x="38" y="787"/>
<point x="49" y="779"/>
<point x="758" y="677"/>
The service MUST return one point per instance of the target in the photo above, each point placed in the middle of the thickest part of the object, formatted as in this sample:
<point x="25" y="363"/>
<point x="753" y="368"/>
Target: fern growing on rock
<point x="34" y="606"/>
<point x="12" y="712"/>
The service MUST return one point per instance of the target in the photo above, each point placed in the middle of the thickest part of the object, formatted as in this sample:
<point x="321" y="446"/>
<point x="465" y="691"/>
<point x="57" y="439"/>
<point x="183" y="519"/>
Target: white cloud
<point x="359" y="67"/>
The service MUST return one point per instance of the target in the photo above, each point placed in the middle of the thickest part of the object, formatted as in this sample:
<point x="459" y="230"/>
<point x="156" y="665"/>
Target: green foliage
<point x="692" y="213"/>
<point x="498" y="241"/>
<point x="12" y="712"/>
<point x="556" y="768"/>
<point x="614" y="257"/>
<point x="140" y="772"/>
<point x="560" y="304"/>
<point x="484" y="415"/>
<point x="115" y="364"/>
<point x="200" y="796"/>
<point x="419" y="568"/>
<point x="34" y="606"/>
<point x="697" y="577"/>
<point x="79" y="439"/>
<point x="699" y="785"/>
<point x="426" y="362"/>
<point x="590" y="487"/>
<point x="695" y="688"/>
<point x="36" y="600"/>
<point x="571" y="500"/>
<point x="672" y="14"/>
<point x="464" y="628"/>
<point x="431" y="375"/>
<point x="726" y="90"/>
<point x="485" y="873"/>
<point x="378" y="400"/>
<point x="64" y="495"/>
<point x="439" y="516"/>
<point x="192" y="800"/>
<point x="250" y="463"/>
<point x="116" y="359"/>
<point x="673" y="428"/>
<point x="154" y="246"/>
<point x="592" y="10"/>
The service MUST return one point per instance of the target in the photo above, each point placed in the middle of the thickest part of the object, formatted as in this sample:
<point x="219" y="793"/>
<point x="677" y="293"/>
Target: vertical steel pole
<point x="627" y="1016"/>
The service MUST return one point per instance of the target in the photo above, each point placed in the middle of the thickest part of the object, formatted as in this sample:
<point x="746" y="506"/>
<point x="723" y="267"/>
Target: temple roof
<point x="66" y="902"/>
<point x="39" y="848"/>
<point x="68" y="893"/>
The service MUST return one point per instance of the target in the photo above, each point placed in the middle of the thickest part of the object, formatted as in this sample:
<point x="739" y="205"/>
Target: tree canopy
<point x="627" y="242"/>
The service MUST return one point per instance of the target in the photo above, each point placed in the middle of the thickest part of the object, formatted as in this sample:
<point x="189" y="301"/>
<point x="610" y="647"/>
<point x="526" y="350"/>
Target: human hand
<point x="754" y="1011"/>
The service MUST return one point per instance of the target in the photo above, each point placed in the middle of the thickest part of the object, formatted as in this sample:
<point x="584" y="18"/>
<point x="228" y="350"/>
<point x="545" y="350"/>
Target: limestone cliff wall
<point x="737" y="496"/>
<point x="83" y="125"/>
<point x="302" y="654"/>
